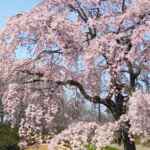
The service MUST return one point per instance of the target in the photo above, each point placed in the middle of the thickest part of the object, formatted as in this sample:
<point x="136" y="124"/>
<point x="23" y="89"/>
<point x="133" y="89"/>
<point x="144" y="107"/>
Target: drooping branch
<point x="125" y="40"/>
<point x="94" y="99"/>
<point x="91" y="34"/>
<point x="38" y="74"/>
<point x="48" y="52"/>
<point x="80" y="11"/>
<point x="133" y="75"/>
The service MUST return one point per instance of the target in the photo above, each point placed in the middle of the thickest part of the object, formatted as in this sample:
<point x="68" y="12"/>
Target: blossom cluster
<point x="139" y="111"/>
<point x="78" y="135"/>
<point x="63" y="50"/>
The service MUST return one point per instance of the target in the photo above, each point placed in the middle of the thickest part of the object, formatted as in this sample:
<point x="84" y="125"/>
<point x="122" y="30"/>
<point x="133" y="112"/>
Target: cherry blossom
<point x="102" y="51"/>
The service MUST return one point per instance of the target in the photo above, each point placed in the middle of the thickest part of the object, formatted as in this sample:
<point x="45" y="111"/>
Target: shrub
<point x="91" y="147"/>
<point x="110" y="148"/>
<point x="8" y="138"/>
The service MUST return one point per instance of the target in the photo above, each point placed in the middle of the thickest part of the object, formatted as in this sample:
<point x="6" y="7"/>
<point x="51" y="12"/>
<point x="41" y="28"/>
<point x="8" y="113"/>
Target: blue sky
<point x="11" y="7"/>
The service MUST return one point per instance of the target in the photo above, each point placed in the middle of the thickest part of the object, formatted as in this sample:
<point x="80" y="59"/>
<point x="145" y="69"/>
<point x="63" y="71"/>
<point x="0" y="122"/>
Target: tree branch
<point x="80" y="12"/>
<point x="123" y="5"/>
<point x="94" y="99"/>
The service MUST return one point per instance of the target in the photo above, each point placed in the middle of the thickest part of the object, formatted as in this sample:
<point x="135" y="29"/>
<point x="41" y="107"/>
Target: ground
<point x="45" y="147"/>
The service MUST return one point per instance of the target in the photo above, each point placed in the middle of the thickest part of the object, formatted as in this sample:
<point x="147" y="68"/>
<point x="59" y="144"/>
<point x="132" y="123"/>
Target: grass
<point x="9" y="137"/>
<point x="45" y="147"/>
<point x="138" y="147"/>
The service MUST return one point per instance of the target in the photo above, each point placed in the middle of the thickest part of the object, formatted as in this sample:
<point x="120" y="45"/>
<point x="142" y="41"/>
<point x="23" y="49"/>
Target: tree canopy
<point x="99" y="47"/>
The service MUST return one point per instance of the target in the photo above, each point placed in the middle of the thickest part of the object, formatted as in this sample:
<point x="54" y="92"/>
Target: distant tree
<point x="99" y="47"/>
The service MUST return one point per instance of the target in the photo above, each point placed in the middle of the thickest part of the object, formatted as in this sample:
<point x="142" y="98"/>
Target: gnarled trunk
<point x="127" y="142"/>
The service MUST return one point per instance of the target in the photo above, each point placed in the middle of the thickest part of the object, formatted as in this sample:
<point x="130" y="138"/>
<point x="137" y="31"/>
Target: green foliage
<point x="91" y="147"/>
<point x="8" y="138"/>
<point x="110" y="148"/>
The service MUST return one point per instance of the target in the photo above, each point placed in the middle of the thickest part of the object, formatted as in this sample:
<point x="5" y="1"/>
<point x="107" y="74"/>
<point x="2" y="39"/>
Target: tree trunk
<point x="1" y="111"/>
<point x="128" y="144"/>
<point x="99" y="112"/>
